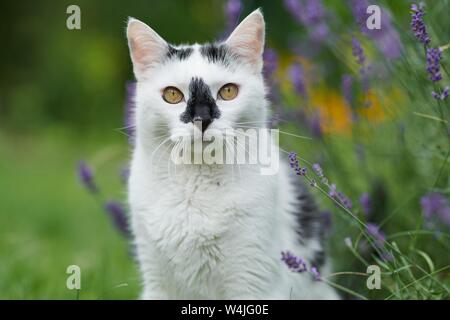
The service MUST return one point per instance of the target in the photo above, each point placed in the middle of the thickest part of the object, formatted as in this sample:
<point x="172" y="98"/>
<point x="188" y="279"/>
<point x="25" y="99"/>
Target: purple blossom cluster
<point x="333" y="193"/>
<point x="311" y="14"/>
<point x="436" y="208"/>
<point x="233" y="10"/>
<point x="386" y="37"/>
<point x="114" y="209"/>
<point x="433" y="55"/>
<point x="340" y="197"/>
<point x="358" y="53"/>
<point x="433" y="64"/>
<point x="270" y="58"/>
<point x="378" y="236"/>
<point x="86" y="177"/>
<point x="366" y="203"/>
<point x="294" y="163"/>
<point x="297" y="77"/>
<point x="379" y="240"/>
<point x="118" y="215"/>
<point x="443" y="95"/>
<point x="418" y="25"/>
<point x="297" y="264"/>
<point x="347" y="84"/>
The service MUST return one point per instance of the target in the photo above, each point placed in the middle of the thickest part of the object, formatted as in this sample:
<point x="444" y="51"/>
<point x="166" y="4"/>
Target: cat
<point x="205" y="231"/>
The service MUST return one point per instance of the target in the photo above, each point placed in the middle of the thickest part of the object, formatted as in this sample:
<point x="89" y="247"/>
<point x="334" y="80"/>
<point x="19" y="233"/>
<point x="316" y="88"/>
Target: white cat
<point x="213" y="231"/>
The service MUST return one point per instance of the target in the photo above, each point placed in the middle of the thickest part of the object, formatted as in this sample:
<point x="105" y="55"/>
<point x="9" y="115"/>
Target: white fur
<point x="211" y="231"/>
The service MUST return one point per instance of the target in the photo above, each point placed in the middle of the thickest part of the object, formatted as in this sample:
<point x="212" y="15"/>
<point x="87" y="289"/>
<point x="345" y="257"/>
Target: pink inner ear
<point x="147" y="48"/>
<point x="247" y="40"/>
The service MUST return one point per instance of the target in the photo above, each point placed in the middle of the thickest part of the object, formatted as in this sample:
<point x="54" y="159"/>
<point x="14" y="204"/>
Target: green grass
<point x="48" y="221"/>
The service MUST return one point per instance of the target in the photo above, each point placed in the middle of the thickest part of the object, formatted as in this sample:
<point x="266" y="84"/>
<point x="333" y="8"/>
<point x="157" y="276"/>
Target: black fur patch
<point x="310" y="223"/>
<point x="180" y="54"/>
<point x="216" y="53"/>
<point x="201" y="104"/>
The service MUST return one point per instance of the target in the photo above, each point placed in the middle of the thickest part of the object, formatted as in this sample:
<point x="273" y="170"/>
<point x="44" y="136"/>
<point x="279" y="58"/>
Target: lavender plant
<point x="408" y="272"/>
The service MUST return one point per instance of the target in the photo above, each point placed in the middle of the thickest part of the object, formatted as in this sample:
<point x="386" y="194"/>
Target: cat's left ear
<point x="247" y="40"/>
<point x="147" y="48"/>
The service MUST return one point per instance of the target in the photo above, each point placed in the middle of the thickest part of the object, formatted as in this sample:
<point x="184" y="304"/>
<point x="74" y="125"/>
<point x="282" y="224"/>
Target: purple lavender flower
<point x="345" y="201"/>
<point x="441" y="96"/>
<point x="318" y="170"/>
<point x="313" y="11"/>
<point x="129" y="111"/>
<point x="339" y="196"/>
<point x="297" y="77"/>
<point x="366" y="203"/>
<point x="118" y="216"/>
<point x="347" y="83"/>
<point x="431" y="203"/>
<point x="444" y="215"/>
<point x="86" y="176"/>
<point x="293" y="162"/>
<point x="386" y="37"/>
<point x="378" y="236"/>
<point x="418" y="25"/>
<point x="270" y="58"/>
<point x="233" y="9"/>
<point x="294" y="263"/>
<point x="332" y="191"/>
<point x="436" y="207"/>
<point x="295" y="9"/>
<point x="315" y="273"/>
<point x="433" y="63"/>
<point x="311" y="14"/>
<point x="315" y="125"/>
<point x="358" y="51"/>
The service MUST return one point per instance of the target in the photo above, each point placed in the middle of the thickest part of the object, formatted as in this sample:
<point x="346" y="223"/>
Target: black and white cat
<point x="212" y="231"/>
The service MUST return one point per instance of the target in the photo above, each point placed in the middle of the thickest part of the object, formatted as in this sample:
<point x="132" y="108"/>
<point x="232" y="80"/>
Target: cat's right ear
<point x="147" y="48"/>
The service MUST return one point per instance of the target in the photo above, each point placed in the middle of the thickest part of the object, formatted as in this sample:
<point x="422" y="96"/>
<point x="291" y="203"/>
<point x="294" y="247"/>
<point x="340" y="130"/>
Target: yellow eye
<point x="172" y="95"/>
<point x="228" y="91"/>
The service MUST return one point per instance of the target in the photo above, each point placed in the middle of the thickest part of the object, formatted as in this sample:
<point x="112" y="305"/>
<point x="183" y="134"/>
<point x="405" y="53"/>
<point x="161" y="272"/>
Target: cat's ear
<point x="147" y="48"/>
<point x="247" y="40"/>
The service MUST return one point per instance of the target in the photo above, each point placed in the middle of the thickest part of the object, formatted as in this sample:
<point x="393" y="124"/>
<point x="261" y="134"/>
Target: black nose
<point x="204" y="123"/>
<point x="201" y="106"/>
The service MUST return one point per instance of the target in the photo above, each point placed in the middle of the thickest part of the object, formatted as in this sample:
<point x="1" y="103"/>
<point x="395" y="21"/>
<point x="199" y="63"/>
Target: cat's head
<point x="219" y="84"/>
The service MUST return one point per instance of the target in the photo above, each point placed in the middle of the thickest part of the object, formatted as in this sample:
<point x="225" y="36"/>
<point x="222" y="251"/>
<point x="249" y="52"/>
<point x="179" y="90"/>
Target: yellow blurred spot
<point x="335" y="115"/>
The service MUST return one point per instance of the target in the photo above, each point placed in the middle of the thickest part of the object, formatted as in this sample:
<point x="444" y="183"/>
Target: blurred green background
<point x="62" y="96"/>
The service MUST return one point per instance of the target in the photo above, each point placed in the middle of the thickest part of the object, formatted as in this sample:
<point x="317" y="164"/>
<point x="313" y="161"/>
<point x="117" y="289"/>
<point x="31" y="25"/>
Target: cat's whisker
<point x="280" y="131"/>
<point x="123" y="132"/>
<point x="126" y="127"/>
<point x="157" y="148"/>
<point x="161" y="155"/>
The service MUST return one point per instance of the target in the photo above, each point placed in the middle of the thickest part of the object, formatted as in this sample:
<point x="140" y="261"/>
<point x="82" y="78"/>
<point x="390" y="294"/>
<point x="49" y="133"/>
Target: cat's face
<point x="219" y="86"/>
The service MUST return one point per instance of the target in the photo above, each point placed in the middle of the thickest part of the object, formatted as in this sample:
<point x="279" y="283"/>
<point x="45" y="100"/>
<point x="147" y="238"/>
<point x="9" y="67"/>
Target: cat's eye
<point x="228" y="91"/>
<point x="172" y="95"/>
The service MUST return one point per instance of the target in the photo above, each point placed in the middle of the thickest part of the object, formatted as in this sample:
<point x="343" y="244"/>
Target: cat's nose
<point x="201" y="122"/>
